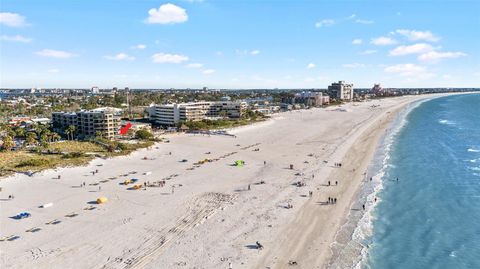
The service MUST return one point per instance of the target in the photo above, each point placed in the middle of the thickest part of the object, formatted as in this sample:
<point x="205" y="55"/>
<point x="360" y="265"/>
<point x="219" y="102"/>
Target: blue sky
<point x="238" y="44"/>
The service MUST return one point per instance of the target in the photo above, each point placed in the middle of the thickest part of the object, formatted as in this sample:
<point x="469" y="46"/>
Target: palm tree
<point x="20" y="132"/>
<point x="46" y="135"/>
<point x="31" y="138"/>
<point x="8" y="143"/>
<point x="98" y="134"/>
<point x="70" y="131"/>
<point x="55" y="136"/>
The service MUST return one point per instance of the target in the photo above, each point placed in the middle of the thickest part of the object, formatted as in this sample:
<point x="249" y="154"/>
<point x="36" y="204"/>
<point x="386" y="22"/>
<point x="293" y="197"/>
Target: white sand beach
<point x="205" y="217"/>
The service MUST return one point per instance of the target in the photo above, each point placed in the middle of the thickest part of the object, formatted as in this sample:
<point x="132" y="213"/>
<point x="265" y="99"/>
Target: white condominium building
<point x="88" y="123"/>
<point x="172" y="114"/>
<point x="341" y="91"/>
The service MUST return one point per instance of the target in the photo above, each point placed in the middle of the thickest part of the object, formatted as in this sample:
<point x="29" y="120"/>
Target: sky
<point x="238" y="44"/>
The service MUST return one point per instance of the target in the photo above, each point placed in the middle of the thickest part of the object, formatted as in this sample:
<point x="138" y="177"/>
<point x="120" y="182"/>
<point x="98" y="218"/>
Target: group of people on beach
<point x="338" y="164"/>
<point x="331" y="200"/>
<point x="329" y="183"/>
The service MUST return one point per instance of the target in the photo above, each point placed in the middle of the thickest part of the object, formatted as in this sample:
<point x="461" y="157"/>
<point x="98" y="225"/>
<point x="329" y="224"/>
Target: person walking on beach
<point x="336" y="183"/>
<point x="248" y="186"/>
<point x="99" y="188"/>
<point x="230" y="265"/>
<point x="335" y="201"/>
<point x="329" y="183"/>
<point x="363" y="206"/>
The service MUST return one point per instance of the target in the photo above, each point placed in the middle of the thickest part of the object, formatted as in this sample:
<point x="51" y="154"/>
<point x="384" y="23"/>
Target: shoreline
<point x="356" y="231"/>
<point x="303" y="228"/>
<point x="350" y="248"/>
<point x="212" y="218"/>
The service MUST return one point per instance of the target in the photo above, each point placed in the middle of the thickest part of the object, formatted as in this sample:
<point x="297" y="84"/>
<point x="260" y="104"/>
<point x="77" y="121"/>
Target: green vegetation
<point x="143" y="134"/>
<point x="61" y="154"/>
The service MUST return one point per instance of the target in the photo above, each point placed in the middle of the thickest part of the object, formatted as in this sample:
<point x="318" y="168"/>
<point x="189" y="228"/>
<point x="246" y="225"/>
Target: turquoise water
<point x="430" y="218"/>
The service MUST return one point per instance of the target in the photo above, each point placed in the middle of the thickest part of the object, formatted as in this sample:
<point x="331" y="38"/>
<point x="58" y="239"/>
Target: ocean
<point x="430" y="217"/>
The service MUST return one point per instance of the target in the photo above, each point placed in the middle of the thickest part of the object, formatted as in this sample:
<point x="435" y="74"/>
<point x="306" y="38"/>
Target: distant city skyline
<point x="232" y="45"/>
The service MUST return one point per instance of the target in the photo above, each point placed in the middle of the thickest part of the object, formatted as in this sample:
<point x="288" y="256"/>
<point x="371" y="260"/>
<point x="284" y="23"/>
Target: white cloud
<point x="411" y="49"/>
<point x="325" y="23"/>
<point x="55" y="54"/>
<point x="435" y="56"/>
<point x="195" y="65"/>
<point x="368" y="52"/>
<point x="245" y="52"/>
<point x="208" y="71"/>
<point x="363" y="21"/>
<point x="12" y="19"/>
<point x="167" y="14"/>
<point x="120" y="57"/>
<point x="54" y="70"/>
<point x="311" y="65"/>
<point x="351" y="17"/>
<point x="139" y="47"/>
<point x="415" y="35"/>
<point x="353" y="65"/>
<point x="16" y="38"/>
<point x="357" y="41"/>
<point x="383" y="41"/>
<point x="169" y="58"/>
<point x="405" y="69"/>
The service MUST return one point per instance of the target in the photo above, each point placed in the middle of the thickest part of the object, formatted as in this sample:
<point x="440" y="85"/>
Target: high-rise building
<point x="341" y="91"/>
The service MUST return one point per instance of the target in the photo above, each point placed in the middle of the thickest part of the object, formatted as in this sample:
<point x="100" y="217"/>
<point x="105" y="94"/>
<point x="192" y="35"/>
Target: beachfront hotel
<point x="89" y="123"/>
<point x="172" y="114"/>
<point x="341" y="91"/>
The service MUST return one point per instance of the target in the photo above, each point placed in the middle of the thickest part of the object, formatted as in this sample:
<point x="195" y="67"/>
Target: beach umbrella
<point x="102" y="200"/>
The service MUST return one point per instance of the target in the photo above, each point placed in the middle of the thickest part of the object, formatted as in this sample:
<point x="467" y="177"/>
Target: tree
<point x="30" y="138"/>
<point x="20" y="132"/>
<point x="55" y="137"/>
<point x="70" y="130"/>
<point x="143" y="134"/>
<point x="98" y="134"/>
<point x="8" y="143"/>
<point x="46" y="135"/>
<point x="223" y="114"/>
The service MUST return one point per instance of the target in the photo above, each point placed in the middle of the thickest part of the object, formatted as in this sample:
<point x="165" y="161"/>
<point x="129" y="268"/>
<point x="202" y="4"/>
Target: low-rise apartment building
<point x="172" y="114"/>
<point x="307" y="98"/>
<point x="88" y="123"/>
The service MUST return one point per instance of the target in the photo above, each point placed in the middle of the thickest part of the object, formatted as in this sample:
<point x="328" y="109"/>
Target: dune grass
<point x="73" y="153"/>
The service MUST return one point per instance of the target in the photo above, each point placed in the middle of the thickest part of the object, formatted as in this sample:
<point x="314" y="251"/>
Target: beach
<point x="206" y="215"/>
